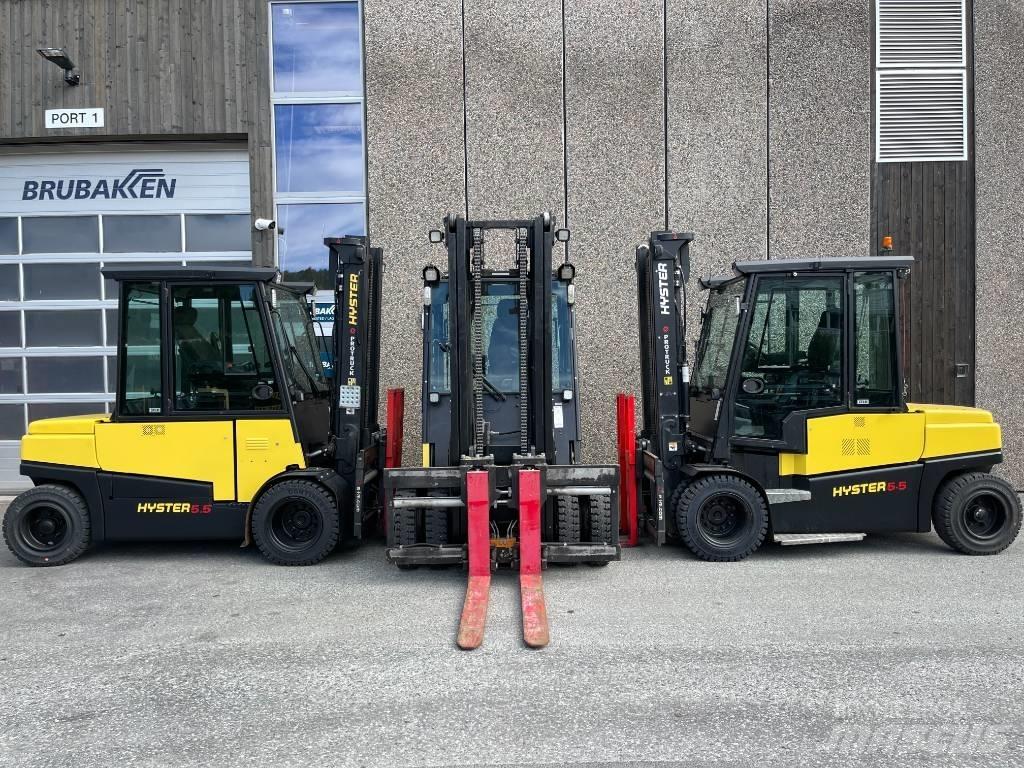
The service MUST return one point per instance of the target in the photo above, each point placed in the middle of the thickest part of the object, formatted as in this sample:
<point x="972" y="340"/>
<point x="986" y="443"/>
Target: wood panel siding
<point x="928" y="209"/>
<point x="161" y="69"/>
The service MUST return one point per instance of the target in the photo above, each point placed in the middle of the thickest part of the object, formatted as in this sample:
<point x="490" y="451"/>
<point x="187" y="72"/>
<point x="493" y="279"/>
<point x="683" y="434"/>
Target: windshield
<point x="293" y="329"/>
<point x="717" y="335"/>
<point x="500" y="314"/>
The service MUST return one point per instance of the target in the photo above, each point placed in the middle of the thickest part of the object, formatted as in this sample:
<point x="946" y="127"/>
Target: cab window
<point x="792" y="358"/>
<point x="221" y="360"/>
<point x="140" y="384"/>
<point x="875" y="340"/>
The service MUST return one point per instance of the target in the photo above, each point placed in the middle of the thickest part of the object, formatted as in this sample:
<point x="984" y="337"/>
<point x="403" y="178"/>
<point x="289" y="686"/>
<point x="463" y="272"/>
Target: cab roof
<point x="242" y="274"/>
<point x="762" y="266"/>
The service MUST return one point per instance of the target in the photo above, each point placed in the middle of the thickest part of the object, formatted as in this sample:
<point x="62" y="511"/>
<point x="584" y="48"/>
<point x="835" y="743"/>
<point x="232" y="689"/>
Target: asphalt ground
<point x="890" y="651"/>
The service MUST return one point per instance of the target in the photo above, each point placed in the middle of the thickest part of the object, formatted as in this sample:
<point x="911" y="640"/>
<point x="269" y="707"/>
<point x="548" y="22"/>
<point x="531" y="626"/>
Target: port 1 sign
<point x="89" y="117"/>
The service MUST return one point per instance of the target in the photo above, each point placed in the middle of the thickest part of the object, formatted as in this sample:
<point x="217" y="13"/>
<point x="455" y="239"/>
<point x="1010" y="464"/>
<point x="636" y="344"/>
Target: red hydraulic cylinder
<point x="625" y="407"/>
<point x="478" y="517"/>
<point x="395" y="428"/>
<point x="536" y="633"/>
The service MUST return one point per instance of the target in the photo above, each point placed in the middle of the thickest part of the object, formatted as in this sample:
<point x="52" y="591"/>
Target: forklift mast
<point x="466" y="264"/>
<point x="663" y="268"/>
<point x="357" y="269"/>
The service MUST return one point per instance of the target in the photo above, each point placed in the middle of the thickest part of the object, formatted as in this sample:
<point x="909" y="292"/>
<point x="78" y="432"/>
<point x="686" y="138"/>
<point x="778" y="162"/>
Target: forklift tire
<point x="296" y="522"/>
<point x="721" y="517"/>
<point x="403" y="529"/>
<point x="47" y="525"/>
<point x="977" y="513"/>
<point x="435" y="522"/>
<point x="601" y="527"/>
<point x="567" y="519"/>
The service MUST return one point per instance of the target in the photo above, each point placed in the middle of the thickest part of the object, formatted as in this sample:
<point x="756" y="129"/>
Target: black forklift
<point x="795" y="426"/>
<point x="500" y="485"/>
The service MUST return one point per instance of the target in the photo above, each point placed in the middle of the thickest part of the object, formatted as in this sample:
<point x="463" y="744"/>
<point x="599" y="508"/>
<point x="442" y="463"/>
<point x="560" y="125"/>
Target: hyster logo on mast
<point x="663" y="294"/>
<point x="139" y="184"/>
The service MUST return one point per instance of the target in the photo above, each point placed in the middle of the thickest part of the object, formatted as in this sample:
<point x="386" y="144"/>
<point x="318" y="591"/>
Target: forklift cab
<point x="815" y="340"/>
<point x="778" y="348"/>
<point x="501" y="408"/>
<point x="239" y="343"/>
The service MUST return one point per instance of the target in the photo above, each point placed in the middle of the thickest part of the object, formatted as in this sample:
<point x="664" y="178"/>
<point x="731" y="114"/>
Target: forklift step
<point x="786" y="495"/>
<point x="793" y="539"/>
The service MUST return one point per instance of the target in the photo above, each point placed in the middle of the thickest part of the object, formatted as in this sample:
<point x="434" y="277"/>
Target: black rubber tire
<point x="567" y="519"/>
<point x="53" y="505"/>
<point x="315" y="504"/>
<point x="435" y="523"/>
<point x="600" y="524"/>
<point x="673" y="504"/>
<point x="960" y="497"/>
<point x="728" y="495"/>
<point x="403" y="529"/>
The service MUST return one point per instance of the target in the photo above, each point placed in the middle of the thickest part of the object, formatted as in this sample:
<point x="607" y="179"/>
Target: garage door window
<point x="60" y="234"/>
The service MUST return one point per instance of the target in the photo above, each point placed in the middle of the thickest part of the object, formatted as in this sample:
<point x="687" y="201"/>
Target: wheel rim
<point x="723" y="519"/>
<point x="294" y="524"/>
<point x="985" y="516"/>
<point x="44" y="528"/>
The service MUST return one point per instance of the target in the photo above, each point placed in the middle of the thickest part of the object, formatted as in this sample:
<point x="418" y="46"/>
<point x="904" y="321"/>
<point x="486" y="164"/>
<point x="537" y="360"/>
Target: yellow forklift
<point x="227" y="424"/>
<point x="795" y="426"/>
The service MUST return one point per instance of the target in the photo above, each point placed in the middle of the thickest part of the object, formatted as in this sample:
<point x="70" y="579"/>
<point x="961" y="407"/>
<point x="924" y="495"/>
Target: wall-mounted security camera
<point x="262" y="225"/>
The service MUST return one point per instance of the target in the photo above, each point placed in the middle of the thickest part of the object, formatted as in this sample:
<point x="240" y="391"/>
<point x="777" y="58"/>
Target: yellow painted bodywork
<point x="66" y="440"/>
<point x="183" y="450"/>
<point x="953" y="429"/>
<point x="265" y="448"/>
<point x="203" y="451"/>
<point x="426" y="454"/>
<point x="861" y="441"/>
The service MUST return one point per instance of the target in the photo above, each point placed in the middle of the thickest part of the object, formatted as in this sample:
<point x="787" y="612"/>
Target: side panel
<point x="849" y="441"/>
<point x="201" y="451"/>
<point x="159" y="509"/>
<point x="67" y="450"/>
<point x="881" y="499"/>
<point x="265" y="448"/>
<point x="953" y="439"/>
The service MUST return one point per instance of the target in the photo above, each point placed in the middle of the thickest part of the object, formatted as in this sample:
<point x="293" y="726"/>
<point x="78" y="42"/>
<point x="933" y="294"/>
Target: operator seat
<point x="823" y="350"/>
<point x="198" y="355"/>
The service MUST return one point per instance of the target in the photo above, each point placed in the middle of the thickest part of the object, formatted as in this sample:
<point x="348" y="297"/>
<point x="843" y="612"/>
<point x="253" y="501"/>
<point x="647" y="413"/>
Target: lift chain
<point x="522" y="263"/>
<point x="477" y="271"/>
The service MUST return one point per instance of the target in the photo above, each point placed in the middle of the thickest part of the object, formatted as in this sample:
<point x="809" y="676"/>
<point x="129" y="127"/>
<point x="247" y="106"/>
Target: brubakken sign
<point x="138" y="184"/>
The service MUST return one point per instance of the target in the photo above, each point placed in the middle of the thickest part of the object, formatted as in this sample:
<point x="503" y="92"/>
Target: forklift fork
<point x="531" y="584"/>
<point x="478" y="589"/>
<point x="536" y="633"/>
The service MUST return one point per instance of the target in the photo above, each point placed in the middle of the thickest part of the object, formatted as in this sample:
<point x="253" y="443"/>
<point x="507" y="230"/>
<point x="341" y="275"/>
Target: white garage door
<point x="63" y="215"/>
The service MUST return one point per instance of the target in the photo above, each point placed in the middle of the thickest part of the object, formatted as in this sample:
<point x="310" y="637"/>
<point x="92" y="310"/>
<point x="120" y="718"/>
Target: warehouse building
<point x="135" y="131"/>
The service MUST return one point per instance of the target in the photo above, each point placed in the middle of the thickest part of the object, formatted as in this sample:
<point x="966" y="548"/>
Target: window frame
<point x="313" y="98"/>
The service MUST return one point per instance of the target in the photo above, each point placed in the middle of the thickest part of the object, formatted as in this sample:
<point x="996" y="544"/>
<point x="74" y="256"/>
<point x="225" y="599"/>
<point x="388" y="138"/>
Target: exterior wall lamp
<point x="60" y="57"/>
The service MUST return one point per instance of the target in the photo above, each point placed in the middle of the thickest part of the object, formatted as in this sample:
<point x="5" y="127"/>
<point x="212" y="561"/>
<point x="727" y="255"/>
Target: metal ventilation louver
<point x="921" y="116"/>
<point x="921" y="81"/>
<point x="920" y="33"/>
